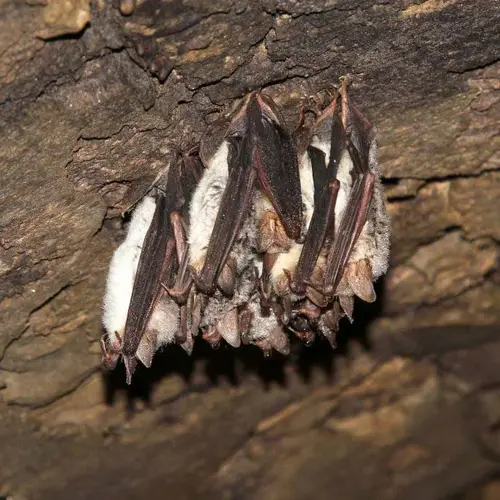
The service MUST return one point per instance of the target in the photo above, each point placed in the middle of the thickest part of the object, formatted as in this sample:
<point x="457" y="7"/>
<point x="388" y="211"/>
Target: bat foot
<point x="359" y="276"/>
<point x="345" y="82"/>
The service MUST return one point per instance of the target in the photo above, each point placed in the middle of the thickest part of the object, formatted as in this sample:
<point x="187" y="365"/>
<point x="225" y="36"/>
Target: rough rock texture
<point x="93" y="102"/>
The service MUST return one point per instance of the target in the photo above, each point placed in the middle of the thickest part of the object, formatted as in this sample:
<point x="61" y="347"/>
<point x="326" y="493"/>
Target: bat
<point x="155" y="234"/>
<point x="262" y="328"/>
<point x="218" y="308"/>
<point x="120" y="282"/>
<point x="256" y="153"/>
<point x="347" y="244"/>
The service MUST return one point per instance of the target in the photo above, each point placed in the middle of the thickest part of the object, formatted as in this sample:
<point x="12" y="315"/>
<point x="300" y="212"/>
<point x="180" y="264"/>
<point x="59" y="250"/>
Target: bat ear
<point x="279" y="341"/>
<point x="146" y="349"/>
<point x="228" y="328"/>
<point x="359" y="277"/>
<point x="227" y="277"/>
<point x="188" y="344"/>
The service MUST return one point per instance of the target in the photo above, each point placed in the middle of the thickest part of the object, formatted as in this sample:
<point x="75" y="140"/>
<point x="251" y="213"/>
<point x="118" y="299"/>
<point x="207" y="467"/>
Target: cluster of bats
<point x="256" y="234"/>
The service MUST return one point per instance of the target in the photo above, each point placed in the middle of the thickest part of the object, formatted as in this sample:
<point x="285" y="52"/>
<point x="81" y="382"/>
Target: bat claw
<point x="345" y="82"/>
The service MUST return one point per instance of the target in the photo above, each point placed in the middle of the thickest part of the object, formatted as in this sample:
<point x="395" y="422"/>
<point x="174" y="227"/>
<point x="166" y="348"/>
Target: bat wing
<point x="157" y="255"/>
<point x="275" y="158"/>
<point x="326" y="188"/>
<point x="158" y="262"/>
<point x="234" y="208"/>
<point x="358" y="205"/>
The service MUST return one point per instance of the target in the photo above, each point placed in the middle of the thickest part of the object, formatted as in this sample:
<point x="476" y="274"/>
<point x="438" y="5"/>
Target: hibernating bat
<point x="347" y="244"/>
<point x="256" y="152"/>
<point x="138" y="314"/>
<point x="250" y="159"/>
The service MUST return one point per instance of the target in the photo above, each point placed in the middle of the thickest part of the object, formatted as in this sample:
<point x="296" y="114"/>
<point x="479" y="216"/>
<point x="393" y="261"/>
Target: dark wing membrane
<point x="353" y="220"/>
<point x="275" y="158"/>
<point x="157" y="255"/>
<point x="234" y="208"/>
<point x="358" y="205"/>
<point x="320" y="174"/>
<point x="191" y="172"/>
<point x="326" y="188"/>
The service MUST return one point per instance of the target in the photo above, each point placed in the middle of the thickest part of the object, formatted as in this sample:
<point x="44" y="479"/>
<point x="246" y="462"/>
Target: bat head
<point x="110" y="347"/>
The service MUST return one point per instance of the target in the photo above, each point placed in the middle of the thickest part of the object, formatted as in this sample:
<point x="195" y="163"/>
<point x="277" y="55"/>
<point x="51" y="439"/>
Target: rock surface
<point x="92" y="104"/>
